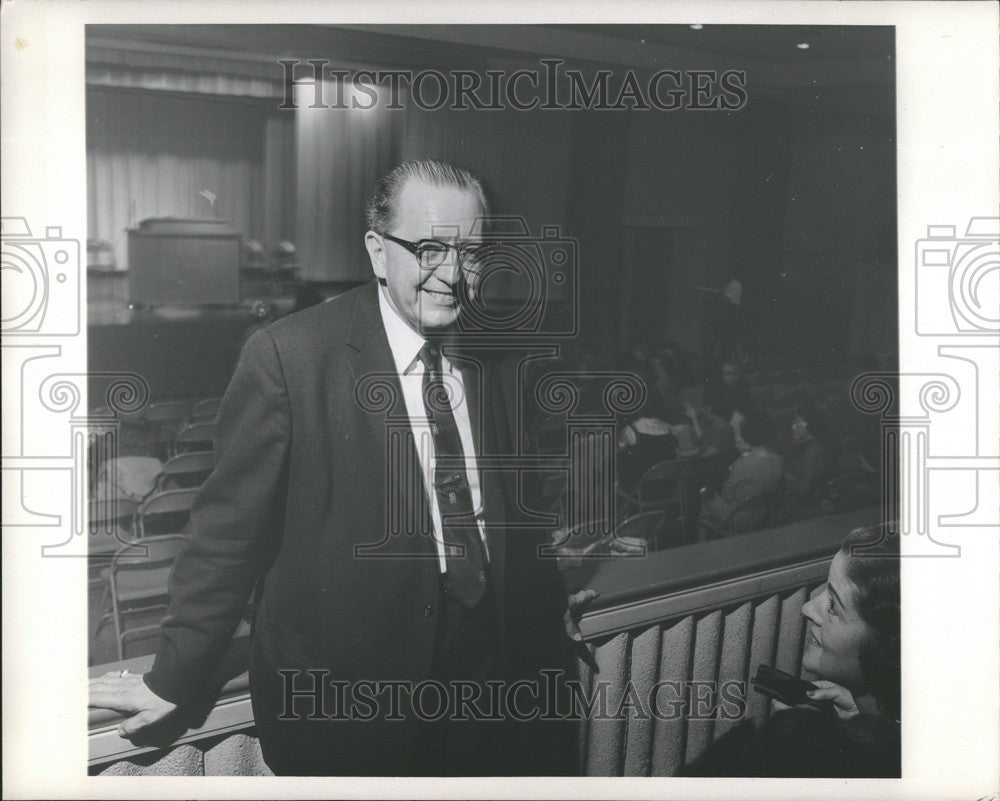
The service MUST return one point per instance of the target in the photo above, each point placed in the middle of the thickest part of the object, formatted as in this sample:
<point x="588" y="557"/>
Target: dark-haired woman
<point x="852" y="654"/>
<point x="852" y="639"/>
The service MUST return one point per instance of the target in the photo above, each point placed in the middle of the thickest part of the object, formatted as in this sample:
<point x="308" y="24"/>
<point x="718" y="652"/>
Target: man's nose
<point x="449" y="270"/>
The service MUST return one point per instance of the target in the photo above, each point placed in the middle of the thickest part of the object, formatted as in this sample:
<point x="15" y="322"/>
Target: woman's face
<point x="836" y="633"/>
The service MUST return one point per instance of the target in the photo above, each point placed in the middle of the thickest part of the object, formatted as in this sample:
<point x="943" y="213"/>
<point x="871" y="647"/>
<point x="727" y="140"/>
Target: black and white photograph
<point x="479" y="401"/>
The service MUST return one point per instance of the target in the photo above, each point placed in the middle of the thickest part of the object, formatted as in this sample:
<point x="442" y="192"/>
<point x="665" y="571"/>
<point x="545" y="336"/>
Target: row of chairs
<point x="135" y="543"/>
<point x="635" y="535"/>
<point x="139" y="477"/>
<point x="174" y="412"/>
<point x="136" y="584"/>
<point x="658" y="510"/>
<point x="164" y="512"/>
<point x="171" y="427"/>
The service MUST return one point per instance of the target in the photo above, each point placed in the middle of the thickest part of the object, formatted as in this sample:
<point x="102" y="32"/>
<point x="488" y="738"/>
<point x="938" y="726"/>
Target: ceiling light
<point x="803" y="45"/>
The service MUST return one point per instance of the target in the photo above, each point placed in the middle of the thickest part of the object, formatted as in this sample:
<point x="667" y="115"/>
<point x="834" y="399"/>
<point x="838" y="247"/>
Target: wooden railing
<point x="688" y="626"/>
<point x="685" y="619"/>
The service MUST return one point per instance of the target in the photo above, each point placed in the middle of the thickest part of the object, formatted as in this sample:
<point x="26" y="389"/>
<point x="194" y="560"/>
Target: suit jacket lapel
<point x="380" y="396"/>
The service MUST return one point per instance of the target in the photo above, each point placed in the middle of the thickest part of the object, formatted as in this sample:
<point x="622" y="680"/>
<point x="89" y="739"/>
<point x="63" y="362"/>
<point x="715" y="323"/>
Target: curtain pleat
<point x="150" y="155"/>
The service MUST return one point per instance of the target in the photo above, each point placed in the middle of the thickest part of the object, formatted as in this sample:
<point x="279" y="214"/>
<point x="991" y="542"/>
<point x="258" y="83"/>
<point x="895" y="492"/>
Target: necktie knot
<point x="430" y="356"/>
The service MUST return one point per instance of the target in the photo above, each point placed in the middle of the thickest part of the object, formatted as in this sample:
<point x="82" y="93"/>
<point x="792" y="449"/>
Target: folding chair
<point x="163" y="420"/>
<point x="854" y="489"/>
<point x="137" y="582"/>
<point x="205" y="411"/>
<point x="186" y="470"/>
<point x="166" y="512"/>
<point x="752" y="514"/>
<point x="662" y="488"/>
<point x="131" y="476"/>
<point x="110" y="522"/>
<point x="642" y="530"/>
<point x="194" y="437"/>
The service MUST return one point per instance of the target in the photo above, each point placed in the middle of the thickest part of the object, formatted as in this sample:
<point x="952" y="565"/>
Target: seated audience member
<point x="805" y="466"/>
<point x="729" y="393"/>
<point x="852" y="654"/>
<point x="712" y="434"/>
<point x="757" y="470"/>
<point x="642" y="443"/>
<point x="713" y="443"/>
<point x="676" y="364"/>
<point x="664" y="392"/>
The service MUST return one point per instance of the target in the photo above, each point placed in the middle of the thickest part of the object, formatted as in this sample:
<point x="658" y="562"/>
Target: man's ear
<point x="375" y="246"/>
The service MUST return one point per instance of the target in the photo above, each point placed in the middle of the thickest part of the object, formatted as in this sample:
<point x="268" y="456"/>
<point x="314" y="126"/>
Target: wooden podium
<point x="183" y="261"/>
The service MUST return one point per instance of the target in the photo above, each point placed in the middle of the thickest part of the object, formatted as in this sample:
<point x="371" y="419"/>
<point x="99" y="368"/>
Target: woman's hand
<point x="826" y="691"/>
<point x="843" y="702"/>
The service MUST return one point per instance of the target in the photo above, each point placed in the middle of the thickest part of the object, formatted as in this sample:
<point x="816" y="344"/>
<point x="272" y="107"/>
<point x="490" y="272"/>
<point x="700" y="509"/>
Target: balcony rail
<point x="706" y="613"/>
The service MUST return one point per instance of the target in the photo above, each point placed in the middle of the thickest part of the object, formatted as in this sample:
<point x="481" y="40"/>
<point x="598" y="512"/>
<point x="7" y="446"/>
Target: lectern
<point x="183" y="261"/>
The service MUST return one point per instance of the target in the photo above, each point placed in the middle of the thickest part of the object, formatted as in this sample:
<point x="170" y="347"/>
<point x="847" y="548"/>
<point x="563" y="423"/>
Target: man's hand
<point x="127" y="692"/>
<point x="578" y="601"/>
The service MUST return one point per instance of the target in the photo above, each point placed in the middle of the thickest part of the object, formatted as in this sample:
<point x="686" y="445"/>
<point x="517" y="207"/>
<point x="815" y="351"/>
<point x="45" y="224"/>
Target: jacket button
<point x="428" y="610"/>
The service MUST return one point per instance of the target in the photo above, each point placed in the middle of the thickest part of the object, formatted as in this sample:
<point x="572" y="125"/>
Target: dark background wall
<point x="794" y="194"/>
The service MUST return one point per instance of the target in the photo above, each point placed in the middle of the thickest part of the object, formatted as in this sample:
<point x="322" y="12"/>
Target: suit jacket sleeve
<point x="236" y="520"/>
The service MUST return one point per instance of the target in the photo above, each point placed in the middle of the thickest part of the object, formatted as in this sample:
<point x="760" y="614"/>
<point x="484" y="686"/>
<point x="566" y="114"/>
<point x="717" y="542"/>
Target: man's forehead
<point x="441" y="212"/>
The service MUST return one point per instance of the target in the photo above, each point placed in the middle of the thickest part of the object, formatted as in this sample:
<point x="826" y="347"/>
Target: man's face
<point x="427" y="299"/>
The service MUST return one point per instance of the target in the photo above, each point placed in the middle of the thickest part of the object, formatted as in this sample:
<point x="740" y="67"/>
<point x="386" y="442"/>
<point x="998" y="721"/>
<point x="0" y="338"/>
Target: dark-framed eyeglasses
<point x="432" y="253"/>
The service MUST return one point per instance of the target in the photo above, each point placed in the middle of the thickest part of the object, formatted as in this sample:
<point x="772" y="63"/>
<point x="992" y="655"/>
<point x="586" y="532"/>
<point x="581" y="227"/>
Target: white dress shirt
<point x="405" y="344"/>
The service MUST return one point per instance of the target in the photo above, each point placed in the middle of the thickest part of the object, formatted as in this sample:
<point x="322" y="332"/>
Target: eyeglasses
<point x="432" y="253"/>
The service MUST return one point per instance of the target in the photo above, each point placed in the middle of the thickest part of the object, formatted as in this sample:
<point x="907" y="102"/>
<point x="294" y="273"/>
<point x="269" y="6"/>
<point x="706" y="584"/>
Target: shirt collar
<point x="404" y="342"/>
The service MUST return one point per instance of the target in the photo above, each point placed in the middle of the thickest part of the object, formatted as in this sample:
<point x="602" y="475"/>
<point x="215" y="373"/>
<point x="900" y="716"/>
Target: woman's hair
<point x="873" y="569"/>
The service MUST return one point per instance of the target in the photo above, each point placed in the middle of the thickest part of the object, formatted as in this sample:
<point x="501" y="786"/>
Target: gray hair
<point x="381" y="209"/>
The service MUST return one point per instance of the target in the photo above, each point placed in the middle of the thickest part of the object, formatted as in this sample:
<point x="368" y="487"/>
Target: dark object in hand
<point x="783" y="687"/>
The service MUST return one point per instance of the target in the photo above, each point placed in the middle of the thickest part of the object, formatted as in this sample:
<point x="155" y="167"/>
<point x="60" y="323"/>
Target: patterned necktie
<point x="462" y="544"/>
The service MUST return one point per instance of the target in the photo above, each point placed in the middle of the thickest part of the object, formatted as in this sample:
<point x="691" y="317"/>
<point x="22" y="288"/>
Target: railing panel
<point x="763" y="644"/>
<point x="699" y="654"/>
<point x="737" y="636"/>
<point x="646" y="653"/>
<point x="704" y="672"/>
<point x="791" y="632"/>
<point x="606" y="737"/>
<point x="670" y="733"/>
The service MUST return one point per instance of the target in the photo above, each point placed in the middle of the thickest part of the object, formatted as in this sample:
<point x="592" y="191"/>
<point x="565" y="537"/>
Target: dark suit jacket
<point x="301" y="484"/>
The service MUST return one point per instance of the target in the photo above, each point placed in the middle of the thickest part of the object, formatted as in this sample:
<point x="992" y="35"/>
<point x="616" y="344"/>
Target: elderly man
<point x="348" y="498"/>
